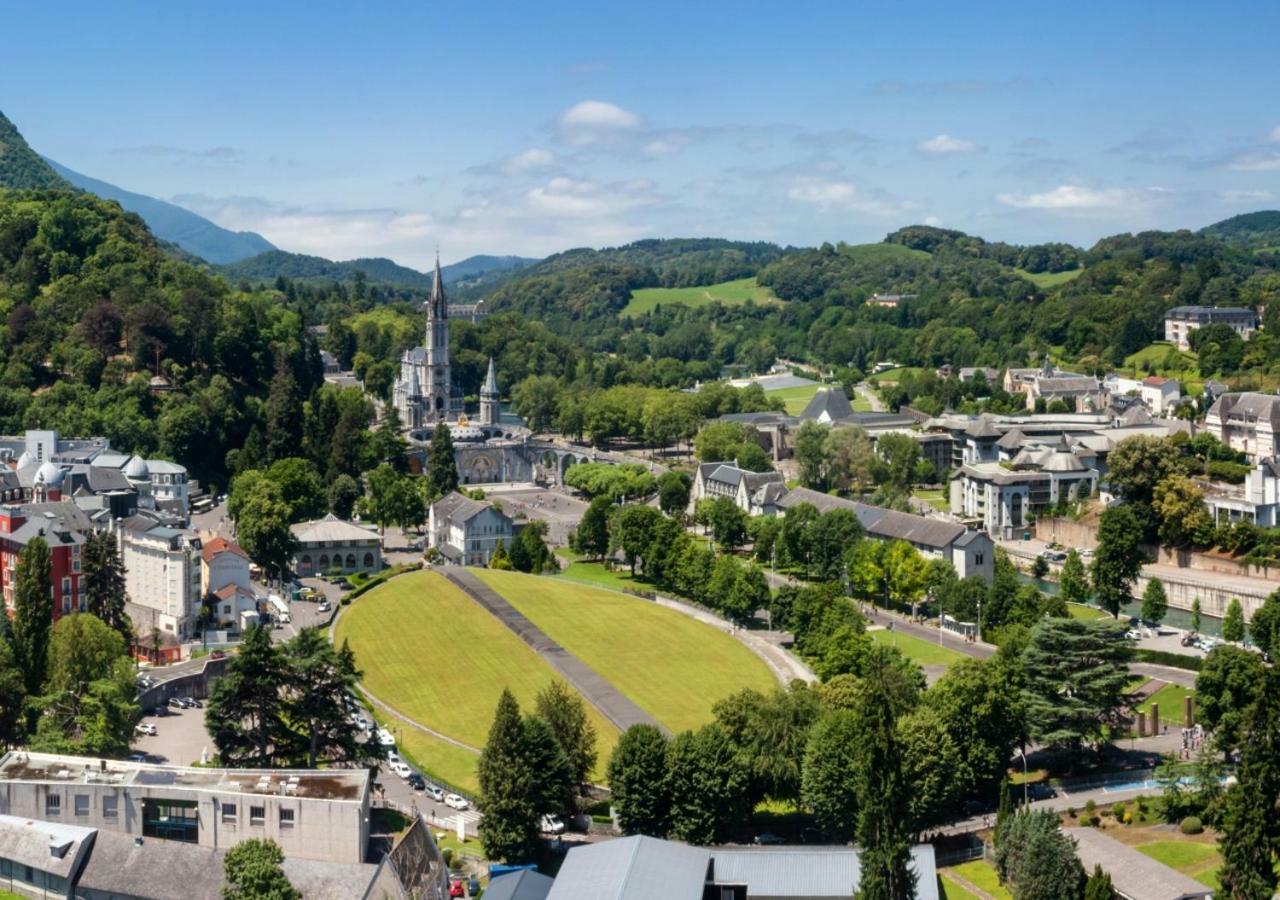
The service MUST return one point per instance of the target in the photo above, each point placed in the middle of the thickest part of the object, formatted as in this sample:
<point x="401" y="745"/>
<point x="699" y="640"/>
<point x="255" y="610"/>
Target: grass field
<point x="797" y="398"/>
<point x="937" y="498"/>
<point x="896" y="374"/>
<point x="1080" y="611"/>
<point x="730" y="293"/>
<point x="922" y="652"/>
<point x="1199" y="860"/>
<point x="1157" y="356"/>
<point x="429" y="651"/>
<point x="949" y="890"/>
<point x="982" y="875"/>
<point x="1172" y="699"/>
<point x="673" y="667"/>
<point x="1046" y="280"/>
<point x="595" y="573"/>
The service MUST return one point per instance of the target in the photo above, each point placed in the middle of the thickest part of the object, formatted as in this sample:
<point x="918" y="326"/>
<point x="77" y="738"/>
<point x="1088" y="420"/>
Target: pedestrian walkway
<point x="613" y="705"/>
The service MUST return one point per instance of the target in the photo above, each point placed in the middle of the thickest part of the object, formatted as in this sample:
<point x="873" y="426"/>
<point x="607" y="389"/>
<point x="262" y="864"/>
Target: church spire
<point x="439" y="308"/>
<point x="491" y="380"/>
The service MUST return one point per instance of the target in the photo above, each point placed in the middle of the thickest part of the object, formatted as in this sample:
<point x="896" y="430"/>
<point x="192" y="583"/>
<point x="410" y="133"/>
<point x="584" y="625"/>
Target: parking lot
<point x="180" y="739"/>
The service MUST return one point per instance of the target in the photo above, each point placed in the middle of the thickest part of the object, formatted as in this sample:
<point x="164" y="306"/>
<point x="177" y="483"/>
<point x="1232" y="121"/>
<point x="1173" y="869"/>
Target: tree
<point x="321" y="678"/>
<point x="884" y="816"/>
<point x="593" y="531"/>
<point x="1233" y="622"/>
<point x="631" y="531"/>
<point x="500" y="560"/>
<point x="1227" y="685"/>
<point x="830" y="536"/>
<point x="386" y="445"/>
<point x="1138" y="464"/>
<point x="12" y="696"/>
<point x="32" y="614"/>
<point x="1037" y="861"/>
<point x="904" y="573"/>
<point x="795" y="534"/>
<point x="1195" y="614"/>
<point x="246" y="713"/>
<point x="262" y="529"/>
<point x="769" y="732"/>
<point x="750" y="592"/>
<point x="102" y="582"/>
<point x="1264" y="627"/>
<point x="89" y="705"/>
<point x="1099" y="886"/>
<point x="1251" y="819"/>
<point x="300" y="487"/>
<point x="1180" y="510"/>
<point x="563" y="710"/>
<point x="980" y="705"/>
<point x="1155" y="602"/>
<point x="728" y="523"/>
<point x="554" y="787"/>
<point x="252" y="870"/>
<point x="1076" y="674"/>
<point x="284" y="413"/>
<point x="442" y="466"/>
<point x="706" y="784"/>
<point x="344" y="491"/>
<point x="930" y="760"/>
<point x="864" y="563"/>
<point x="535" y="400"/>
<point x="509" y="828"/>
<point x="673" y="493"/>
<point x="829" y="783"/>
<point x="811" y="455"/>
<point x="529" y="550"/>
<point x="1074" y="581"/>
<point x="1117" y="561"/>
<point x="1004" y="813"/>
<point x="637" y="778"/>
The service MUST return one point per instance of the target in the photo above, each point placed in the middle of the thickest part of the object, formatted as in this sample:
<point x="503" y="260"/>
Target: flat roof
<point x="311" y="784"/>
<point x="1134" y="874"/>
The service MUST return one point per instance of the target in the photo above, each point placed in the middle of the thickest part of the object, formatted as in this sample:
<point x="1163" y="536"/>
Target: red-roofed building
<point x="223" y="562"/>
<point x="51" y="521"/>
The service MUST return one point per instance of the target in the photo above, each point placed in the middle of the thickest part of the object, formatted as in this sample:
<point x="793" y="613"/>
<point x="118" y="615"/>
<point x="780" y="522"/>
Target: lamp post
<point x="1023" y="754"/>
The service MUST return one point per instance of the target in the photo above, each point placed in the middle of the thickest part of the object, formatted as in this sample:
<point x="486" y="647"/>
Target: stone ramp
<point x="598" y="692"/>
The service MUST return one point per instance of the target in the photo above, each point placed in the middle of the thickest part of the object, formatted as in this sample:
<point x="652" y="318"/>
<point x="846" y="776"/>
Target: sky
<point x="382" y="129"/>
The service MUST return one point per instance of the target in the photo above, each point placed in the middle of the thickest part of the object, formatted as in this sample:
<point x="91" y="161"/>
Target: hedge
<point x="1165" y="658"/>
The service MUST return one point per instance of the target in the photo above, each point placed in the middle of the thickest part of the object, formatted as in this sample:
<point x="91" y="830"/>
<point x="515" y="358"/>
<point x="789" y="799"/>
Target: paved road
<point x="863" y="390"/>
<point x="611" y="702"/>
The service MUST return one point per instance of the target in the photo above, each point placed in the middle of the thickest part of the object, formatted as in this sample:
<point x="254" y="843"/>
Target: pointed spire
<point x="491" y="380"/>
<point x="439" y="305"/>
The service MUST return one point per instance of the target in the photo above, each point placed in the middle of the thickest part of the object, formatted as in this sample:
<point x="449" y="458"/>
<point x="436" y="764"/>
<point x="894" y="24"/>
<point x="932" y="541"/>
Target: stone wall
<point x="1079" y="535"/>
<point x="196" y="684"/>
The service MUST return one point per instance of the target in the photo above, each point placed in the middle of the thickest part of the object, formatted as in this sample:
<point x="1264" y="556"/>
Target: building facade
<point x="467" y="531"/>
<point x="755" y="493"/>
<point x="58" y="523"/>
<point x="1006" y="496"/>
<point x="1180" y="321"/>
<point x="423" y="394"/>
<point x="1246" y="421"/>
<point x="162" y="567"/>
<point x="332" y="545"/>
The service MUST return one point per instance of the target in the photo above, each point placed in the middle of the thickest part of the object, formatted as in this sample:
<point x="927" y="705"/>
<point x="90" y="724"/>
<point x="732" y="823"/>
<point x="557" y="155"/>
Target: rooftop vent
<point x="58" y="847"/>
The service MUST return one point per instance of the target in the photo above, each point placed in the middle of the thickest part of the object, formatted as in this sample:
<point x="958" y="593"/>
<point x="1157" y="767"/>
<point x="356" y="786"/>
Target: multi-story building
<point x="1246" y="421"/>
<point x="1256" y="501"/>
<point x="162" y="576"/>
<point x="468" y="531"/>
<point x="332" y="545"/>
<point x="1180" y="321"/>
<point x="223" y="562"/>
<point x="60" y="525"/>
<point x="755" y="493"/>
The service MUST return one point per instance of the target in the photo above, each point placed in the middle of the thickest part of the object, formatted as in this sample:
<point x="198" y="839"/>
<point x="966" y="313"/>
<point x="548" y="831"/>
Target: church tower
<point x="438" y="390"/>
<point x="490" y="401"/>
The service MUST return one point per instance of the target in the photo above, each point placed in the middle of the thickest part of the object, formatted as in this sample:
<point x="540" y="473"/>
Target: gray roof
<point x="456" y="507"/>
<point x="332" y="529"/>
<point x="1067" y="384"/>
<point x="1133" y="874"/>
<point x="1012" y="439"/>
<point x="1247" y="406"/>
<point x="730" y="473"/>
<point x="829" y="400"/>
<point x="982" y="427"/>
<point x="775" y="873"/>
<point x="886" y="524"/>
<point x="523" y="885"/>
<point x="632" y="868"/>
<point x="49" y="846"/>
<point x="1209" y="313"/>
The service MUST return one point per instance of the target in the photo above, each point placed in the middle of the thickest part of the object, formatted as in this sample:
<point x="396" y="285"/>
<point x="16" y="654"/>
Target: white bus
<point x="279" y="608"/>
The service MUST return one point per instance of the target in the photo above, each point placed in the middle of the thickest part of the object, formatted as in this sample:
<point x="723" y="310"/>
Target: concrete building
<point x="969" y="552"/>
<point x="223" y="562"/>
<point x="1081" y="393"/>
<point x="1246" y="421"/>
<point x="1256" y="501"/>
<point x="45" y="860"/>
<point x="467" y="531"/>
<point x="1005" y="496"/>
<point x="332" y="545"/>
<point x="1180" y="321"/>
<point x="162" y="568"/>
<point x="755" y="493"/>
<point x="59" y="524"/>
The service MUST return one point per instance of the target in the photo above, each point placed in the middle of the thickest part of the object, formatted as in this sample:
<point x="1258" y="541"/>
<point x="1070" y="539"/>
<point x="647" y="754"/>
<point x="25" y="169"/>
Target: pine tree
<point x="284" y="413"/>
<point x="509" y="827"/>
<point x="1233" y="622"/>
<point x="442" y="467"/>
<point x="253" y="872"/>
<point x="1099" y="887"/>
<point x="1251" y="820"/>
<point x="637" y="778"/>
<point x="1075" y="674"/>
<point x="554" y="788"/>
<point x="32" y="614"/>
<point x="102" y="583"/>
<point x="565" y="712"/>
<point x="1004" y="811"/>
<point x="321" y="677"/>
<point x="1155" y="602"/>
<point x="883" y="831"/>
<point x="1074" y="579"/>
<point x="386" y="445"/>
<point x="246" y="714"/>
<point x="1195" y="614"/>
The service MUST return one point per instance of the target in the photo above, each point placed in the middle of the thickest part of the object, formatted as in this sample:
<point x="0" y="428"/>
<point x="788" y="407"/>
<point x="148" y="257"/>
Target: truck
<point x="279" y="608"/>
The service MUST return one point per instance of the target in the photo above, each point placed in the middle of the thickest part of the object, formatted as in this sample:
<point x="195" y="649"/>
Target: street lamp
<point x="1023" y="754"/>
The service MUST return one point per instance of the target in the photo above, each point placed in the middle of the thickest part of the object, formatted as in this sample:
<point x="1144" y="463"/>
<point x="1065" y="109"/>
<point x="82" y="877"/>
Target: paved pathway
<point x="863" y="390"/>
<point x="615" y="707"/>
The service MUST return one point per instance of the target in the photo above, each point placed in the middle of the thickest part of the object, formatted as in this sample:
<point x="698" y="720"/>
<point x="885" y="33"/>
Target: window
<point x="110" y="806"/>
<point x="286" y="818"/>
<point x="228" y="814"/>
<point x="257" y="815"/>
<point x="174" y="820"/>
<point x="52" y="804"/>
<point x="82" y="804"/>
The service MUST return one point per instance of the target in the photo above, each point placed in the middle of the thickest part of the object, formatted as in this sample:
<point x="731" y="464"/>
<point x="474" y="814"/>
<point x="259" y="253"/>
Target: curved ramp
<point x="613" y="705"/>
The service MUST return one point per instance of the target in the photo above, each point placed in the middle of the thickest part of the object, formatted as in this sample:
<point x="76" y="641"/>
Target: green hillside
<point x="20" y="166"/>
<point x="730" y="293"/>
<point x="883" y="253"/>
<point x="267" y="267"/>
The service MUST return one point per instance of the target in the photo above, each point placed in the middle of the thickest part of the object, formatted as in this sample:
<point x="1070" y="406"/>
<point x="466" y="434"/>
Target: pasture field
<point x="672" y="666"/>
<point x="1046" y="280"/>
<point x="730" y="293"/>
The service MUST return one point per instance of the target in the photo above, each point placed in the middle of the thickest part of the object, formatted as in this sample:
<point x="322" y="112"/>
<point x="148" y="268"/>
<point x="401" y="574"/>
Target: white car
<point x="401" y="769"/>
<point x="1133" y="635"/>
<point x="453" y="801"/>
<point x="385" y="738"/>
<point x="393" y="757"/>
<point x="551" y="824"/>
<point x="145" y="728"/>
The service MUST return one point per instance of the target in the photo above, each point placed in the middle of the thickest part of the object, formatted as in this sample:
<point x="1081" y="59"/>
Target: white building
<point x="755" y="493"/>
<point x="1256" y="501"/>
<point x="162" y="576"/>
<point x="223" y="562"/>
<point x="332" y="545"/>
<point x="1180" y="321"/>
<point x="1246" y="421"/>
<point x="1159" y="395"/>
<point x="1006" y="496"/>
<point x="467" y="531"/>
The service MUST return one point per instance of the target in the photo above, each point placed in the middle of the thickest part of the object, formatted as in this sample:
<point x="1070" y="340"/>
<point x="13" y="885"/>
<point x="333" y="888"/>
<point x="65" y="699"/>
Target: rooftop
<point x="1133" y="874"/>
<point x="331" y="528"/>
<point x="315" y="784"/>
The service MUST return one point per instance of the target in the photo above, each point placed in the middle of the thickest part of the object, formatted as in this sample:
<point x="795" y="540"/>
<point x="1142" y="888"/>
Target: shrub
<point x="1191" y="825"/>
<point x="1128" y="817"/>
<point x="447" y="854"/>
<point x="1090" y="807"/>
<point x="345" y="601"/>
<point x="1084" y="822"/>
<point x="1117" y="810"/>
<point x="1071" y="812"/>
<point x="1095" y="820"/>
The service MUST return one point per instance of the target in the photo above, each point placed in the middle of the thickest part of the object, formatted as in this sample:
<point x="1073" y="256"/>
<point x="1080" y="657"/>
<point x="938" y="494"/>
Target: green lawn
<point x="730" y="293"/>
<point x="795" y="398"/>
<point x="1080" y="611"/>
<point x="925" y="653"/>
<point x="1046" y="280"/>
<point x="1199" y="860"/>
<point x="949" y="890"/>
<point x="938" y="499"/>
<point x="596" y="573"/>
<point x="436" y="656"/>
<point x="982" y="875"/>
<point x="1172" y="698"/>
<point x="896" y="374"/>
<point x="673" y="667"/>
<point x="1155" y="355"/>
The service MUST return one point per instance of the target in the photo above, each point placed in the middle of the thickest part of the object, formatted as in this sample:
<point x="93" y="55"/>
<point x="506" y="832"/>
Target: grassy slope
<point x="795" y="398"/>
<point x="883" y="252"/>
<point x="982" y="875"/>
<point x="1046" y="280"/>
<point x="436" y="656"/>
<point x="1172" y="700"/>
<point x="1080" y="611"/>
<point x="672" y="666"/>
<point x="1187" y="369"/>
<point x="730" y="293"/>
<point x="1199" y="860"/>
<point x="913" y="648"/>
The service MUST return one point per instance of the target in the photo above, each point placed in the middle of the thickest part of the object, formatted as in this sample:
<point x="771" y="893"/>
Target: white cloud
<point x="1260" y="161"/>
<point x="836" y="193"/>
<point x="533" y="158"/>
<point x="595" y="121"/>
<point x="574" y="197"/>
<point x="945" y="143"/>
<point x="1274" y="137"/>
<point x="1072" y="197"/>
<point x="932" y="220"/>
<point x="1245" y="196"/>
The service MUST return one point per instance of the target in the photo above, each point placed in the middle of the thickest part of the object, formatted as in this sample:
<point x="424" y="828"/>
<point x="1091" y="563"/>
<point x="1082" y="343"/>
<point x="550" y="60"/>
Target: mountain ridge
<point x="305" y="267"/>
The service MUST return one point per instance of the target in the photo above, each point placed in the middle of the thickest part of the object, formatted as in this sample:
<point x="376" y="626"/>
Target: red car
<point x="456" y="888"/>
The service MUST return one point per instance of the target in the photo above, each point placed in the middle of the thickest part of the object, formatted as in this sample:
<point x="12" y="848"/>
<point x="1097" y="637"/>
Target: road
<point x="863" y="390"/>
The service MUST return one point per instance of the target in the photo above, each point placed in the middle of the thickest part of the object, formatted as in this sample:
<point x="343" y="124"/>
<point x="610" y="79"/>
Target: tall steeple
<point x="490" y="400"/>
<point x="439" y="308"/>
<point x="438" y="387"/>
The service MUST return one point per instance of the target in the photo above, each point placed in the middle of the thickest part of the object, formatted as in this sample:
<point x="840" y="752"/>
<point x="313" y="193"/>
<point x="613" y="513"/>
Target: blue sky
<point x="534" y="127"/>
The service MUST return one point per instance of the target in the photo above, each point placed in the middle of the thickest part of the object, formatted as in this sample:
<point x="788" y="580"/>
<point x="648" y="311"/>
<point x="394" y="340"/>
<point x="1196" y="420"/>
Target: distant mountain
<point x="1256" y="229"/>
<point x="193" y="233"/>
<point x="300" y="267"/>
<point x="20" y="166"/>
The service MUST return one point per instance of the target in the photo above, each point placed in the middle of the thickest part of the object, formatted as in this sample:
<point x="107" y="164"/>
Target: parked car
<point x="434" y="791"/>
<point x="176" y="703"/>
<point x="1041" y="790"/>
<point x="1054" y="555"/>
<point x="145" y="728"/>
<point x="385" y="738"/>
<point x="416" y="781"/>
<point x="453" y="801"/>
<point x="551" y="824"/>
<point x="1133" y="635"/>
<point x="456" y="888"/>
<point x="1087" y="552"/>
<point x="217" y="654"/>
<point x="393" y="757"/>
<point x="323" y="606"/>
<point x="401" y="769"/>
<point x="137" y="757"/>
<point x="1190" y="640"/>
<point x="767" y="838"/>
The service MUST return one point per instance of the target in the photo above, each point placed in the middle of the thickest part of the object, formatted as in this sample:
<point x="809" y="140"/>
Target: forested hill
<point x="1255" y="229"/>
<point x="267" y="267"/>
<point x="20" y="166"/>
